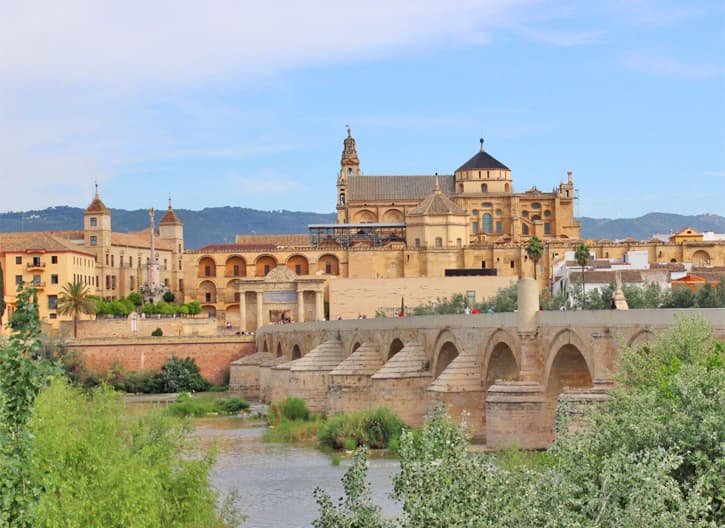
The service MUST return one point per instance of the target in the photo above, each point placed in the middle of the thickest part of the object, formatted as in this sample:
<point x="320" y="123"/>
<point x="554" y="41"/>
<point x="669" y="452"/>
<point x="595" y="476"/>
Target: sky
<point x="245" y="103"/>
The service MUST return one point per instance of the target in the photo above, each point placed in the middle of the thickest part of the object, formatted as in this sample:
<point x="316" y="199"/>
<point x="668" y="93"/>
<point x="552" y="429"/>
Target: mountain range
<point x="221" y="224"/>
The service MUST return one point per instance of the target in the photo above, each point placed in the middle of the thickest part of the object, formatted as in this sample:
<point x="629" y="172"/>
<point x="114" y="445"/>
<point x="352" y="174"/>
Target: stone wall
<point x="212" y="354"/>
<point x="170" y="326"/>
<point x="352" y="297"/>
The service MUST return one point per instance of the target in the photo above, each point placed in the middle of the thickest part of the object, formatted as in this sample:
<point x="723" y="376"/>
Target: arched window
<point x="487" y="223"/>
<point x="547" y="213"/>
<point x="349" y="171"/>
<point x="484" y="187"/>
<point x="536" y="205"/>
<point x="474" y="212"/>
<point x="525" y="229"/>
<point x="439" y="242"/>
<point x="342" y="198"/>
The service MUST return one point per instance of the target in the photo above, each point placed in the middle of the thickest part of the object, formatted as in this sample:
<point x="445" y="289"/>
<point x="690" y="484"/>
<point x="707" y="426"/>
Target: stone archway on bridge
<point x="396" y="345"/>
<point x="296" y="352"/>
<point x="264" y="346"/>
<point x="501" y="359"/>
<point x="569" y="369"/>
<point x="563" y="338"/>
<point x="643" y="338"/>
<point x="279" y="349"/>
<point x="445" y="351"/>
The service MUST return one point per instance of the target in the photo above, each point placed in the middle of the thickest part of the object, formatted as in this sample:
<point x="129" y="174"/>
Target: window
<point x="18" y="260"/>
<point x="547" y="213"/>
<point x="93" y="221"/>
<point x="483" y="264"/>
<point x="536" y="205"/>
<point x="108" y="282"/>
<point x="474" y="212"/>
<point x="54" y="279"/>
<point x="459" y="242"/>
<point x="484" y="187"/>
<point x="417" y="242"/>
<point x="36" y="261"/>
<point x="298" y="269"/>
<point x="475" y="227"/>
<point x="439" y="242"/>
<point x="113" y="282"/>
<point x="512" y="265"/>
<point x="132" y="282"/>
<point x="179" y="264"/>
<point x="547" y="228"/>
<point x="130" y="262"/>
<point x="94" y="240"/>
<point x="525" y="229"/>
<point x="36" y="279"/>
<point x="112" y="260"/>
<point x="499" y="212"/>
<point x="266" y="269"/>
<point x="342" y="198"/>
<point x="53" y="315"/>
<point x="207" y="297"/>
<point x="535" y="218"/>
<point x="166" y="282"/>
<point x="181" y="285"/>
<point x="487" y="205"/>
<point x="349" y="171"/>
<point x="54" y="259"/>
<point x="207" y="271"/>
<point x="525" y="214"/>
<point x="487" y="223"/>
<point x="328" y="268"/>
<point x="52" y="302"/>
<point x="499" y="226"/>
<point x="18" y="279"/>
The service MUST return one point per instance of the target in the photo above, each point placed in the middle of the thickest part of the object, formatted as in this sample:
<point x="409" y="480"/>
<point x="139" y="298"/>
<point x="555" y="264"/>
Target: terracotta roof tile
<point x="37" y="240"/>
<point x="369" y="188"/>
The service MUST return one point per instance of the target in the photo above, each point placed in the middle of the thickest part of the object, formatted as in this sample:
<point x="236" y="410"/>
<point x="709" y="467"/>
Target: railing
<point x="38" y="285"/>
<point x="35" y="265"/>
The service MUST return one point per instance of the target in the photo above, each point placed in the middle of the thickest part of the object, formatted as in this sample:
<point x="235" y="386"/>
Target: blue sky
<point x="237" y="103"/>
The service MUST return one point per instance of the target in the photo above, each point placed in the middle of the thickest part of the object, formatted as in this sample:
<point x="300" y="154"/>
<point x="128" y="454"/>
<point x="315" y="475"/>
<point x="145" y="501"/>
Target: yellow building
<point x="47" y="262"/>
<point x="111" y="264"/>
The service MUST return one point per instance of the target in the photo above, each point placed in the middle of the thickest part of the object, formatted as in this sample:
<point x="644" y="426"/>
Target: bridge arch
<point x="279" y="349"/>
<point x="446" y="349"/>
<point x="395" y="346"/>
<point x="501" y="358"/>
<point x="296" y="352"/>
<point x="568" y="368"/>
<point x="264" y="346"/>
<point x="563" y="338"/>
<point x="642" y="338"/>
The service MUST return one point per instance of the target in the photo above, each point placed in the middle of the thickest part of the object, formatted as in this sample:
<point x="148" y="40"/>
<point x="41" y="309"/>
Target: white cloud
<point x="122" y="43"/>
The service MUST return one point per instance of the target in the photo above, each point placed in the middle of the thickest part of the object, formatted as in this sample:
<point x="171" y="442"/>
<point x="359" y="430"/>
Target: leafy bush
<point x="157" y="332"/>
<point x="374" y="429"/>
<point x="178" y="375"/>
<point x="101" y="468"/>
<point x="186" y="405"/>
<point x="289" y="409"/>
<point x="294" y="431"/>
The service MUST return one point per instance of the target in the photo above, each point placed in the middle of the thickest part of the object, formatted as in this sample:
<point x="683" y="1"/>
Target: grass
<point x="294" y="431"/>
<point x="376" y="429"/>
<point x="186" y="405"/>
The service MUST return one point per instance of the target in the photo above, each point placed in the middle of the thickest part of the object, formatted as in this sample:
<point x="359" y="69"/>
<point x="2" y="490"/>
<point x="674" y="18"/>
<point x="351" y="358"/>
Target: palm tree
<point x="534" y="249"/>
<point x="581" y="255"/>
<point x="74" y="300"/>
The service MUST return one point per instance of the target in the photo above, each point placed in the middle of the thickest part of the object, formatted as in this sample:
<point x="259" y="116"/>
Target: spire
<point x="170" y="216"/>
<point x="97" y="206"/>
<point x="349" y="156"/>
<point x="481" y="140"/>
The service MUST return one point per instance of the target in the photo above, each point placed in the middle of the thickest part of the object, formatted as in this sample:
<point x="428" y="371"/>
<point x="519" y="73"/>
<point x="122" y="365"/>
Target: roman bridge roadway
<point x="507" y="371"/>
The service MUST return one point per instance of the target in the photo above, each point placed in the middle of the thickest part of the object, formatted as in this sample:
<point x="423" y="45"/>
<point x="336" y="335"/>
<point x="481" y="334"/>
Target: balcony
<point x="35" y="266"/>
<point x="38" y="285"/>
<point x="230" y="298"/>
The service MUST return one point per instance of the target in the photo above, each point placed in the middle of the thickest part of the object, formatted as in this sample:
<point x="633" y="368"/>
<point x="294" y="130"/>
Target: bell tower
<point x="349" y="168"/>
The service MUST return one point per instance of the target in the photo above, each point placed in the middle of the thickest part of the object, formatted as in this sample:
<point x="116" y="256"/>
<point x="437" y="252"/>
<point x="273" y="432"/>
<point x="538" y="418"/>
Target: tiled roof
<point x="370" y="188"/>
<point x="436" y="203"/>
<point x="37" y="240"/>
<point x="170" y="217"/>
<point x="139" y="239"/>
<point x="482" y="160"/>
<point x="210" y="248"/>
<point x="97" y="206"/>
<point x="255" y="241"/>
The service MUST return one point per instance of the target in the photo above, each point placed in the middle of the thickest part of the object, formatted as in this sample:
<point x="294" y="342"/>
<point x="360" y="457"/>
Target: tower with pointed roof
<point x="171" y="230"/>
<point x="97" y="223"/>
<point x="349" y="168"/>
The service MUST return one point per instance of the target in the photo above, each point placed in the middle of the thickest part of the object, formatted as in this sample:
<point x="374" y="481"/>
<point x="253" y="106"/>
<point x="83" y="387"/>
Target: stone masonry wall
<point x="213" y="355"/>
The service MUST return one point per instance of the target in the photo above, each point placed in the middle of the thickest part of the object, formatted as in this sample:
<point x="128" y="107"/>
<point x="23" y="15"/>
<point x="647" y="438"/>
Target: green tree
<point x="179" y="375"/>
<point x="581" y="255"/>
<point x="169" y="296"/>
<point x="534" y="249"/>
<point x="707" y="296"/>
<point x="135" y="298"/>
<point x="75" y="300"/>
<point x="24" y="372"/>
<point x="680" y="298"/>
<point x="194" y="308"/>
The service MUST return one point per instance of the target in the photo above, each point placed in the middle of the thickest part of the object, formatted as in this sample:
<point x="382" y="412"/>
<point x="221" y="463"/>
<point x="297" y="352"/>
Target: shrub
<point x="232" y="405"/>
<point x="375" y="429"/>
<point x="157" y="332"/>
<point x="178" y="375"/>
<point x="186" y="405"/>
<point x="294" y="431"/>
<point x="289" y="409"/>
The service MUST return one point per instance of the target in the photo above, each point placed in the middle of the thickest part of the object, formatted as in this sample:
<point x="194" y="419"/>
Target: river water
<point x="276" y="481"/>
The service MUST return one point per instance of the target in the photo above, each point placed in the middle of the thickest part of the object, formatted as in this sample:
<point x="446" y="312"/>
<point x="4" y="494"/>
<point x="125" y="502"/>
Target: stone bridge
<point x="507" y="371"/>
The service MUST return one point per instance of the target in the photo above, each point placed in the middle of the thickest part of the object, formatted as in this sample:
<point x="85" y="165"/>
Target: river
<point x="276" y="481"/>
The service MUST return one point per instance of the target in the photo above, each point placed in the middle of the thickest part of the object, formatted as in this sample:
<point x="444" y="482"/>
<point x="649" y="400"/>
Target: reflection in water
<point x="276" y="481"/>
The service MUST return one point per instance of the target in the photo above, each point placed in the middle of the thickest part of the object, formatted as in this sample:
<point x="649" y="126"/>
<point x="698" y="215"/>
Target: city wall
<point x="142" y="326"/>
<point x="212" y="354"/>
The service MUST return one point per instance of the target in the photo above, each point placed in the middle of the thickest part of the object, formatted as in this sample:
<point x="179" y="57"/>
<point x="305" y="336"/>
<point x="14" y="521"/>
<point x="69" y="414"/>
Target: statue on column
<point x="152" y="290"/>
